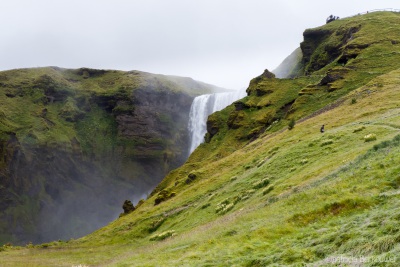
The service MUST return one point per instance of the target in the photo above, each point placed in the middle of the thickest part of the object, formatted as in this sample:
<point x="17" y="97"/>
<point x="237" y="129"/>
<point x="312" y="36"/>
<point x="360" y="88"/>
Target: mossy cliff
<point x="74" y="144"/>
<point x="335" y="59"/>
<point x="260" y="194"/>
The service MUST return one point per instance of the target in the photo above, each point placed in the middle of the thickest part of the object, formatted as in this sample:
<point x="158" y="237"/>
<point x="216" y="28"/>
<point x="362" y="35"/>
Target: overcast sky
<point x="223" y="42"/>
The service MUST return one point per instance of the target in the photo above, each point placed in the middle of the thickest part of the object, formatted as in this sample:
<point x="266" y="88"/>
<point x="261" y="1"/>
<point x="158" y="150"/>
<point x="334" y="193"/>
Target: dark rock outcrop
<point x="333" y="75"/>
<point x="267" y="74"/>
<point x="319" y="49"/>
<point x="212" y="125"/>
<point x="128" y="207"/>
<point x="312" y="39"/>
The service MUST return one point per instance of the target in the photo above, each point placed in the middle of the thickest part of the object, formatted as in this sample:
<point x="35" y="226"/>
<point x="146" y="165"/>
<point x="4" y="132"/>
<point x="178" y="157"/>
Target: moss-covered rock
<point x="213" y="125"/>
<point x="191" y="177"/>
<point x="164" y="195"/>
<point x="127" y="207"/>
<point x="70" y="111"/>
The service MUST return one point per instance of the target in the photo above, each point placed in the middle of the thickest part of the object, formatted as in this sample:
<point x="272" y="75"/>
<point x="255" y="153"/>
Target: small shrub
<point x="163" y="235"/>
<point x="156" y="224"/>
<point x="260" y="184"/>
<point x="291" y="124"/>
<point x="228" y="207"/>
<point x="304" y="161"/>
<point x="224" y="206"/>
<point x="205" y="206"/>
<point x="128" y="207"/>
<point x="159" y="199"/>
<point x="247" y="167"/>
<point x="267" y="190"/>
<point x="245" y="195"/>
<point x="261" y="162"/>
<point x="191" y="178"/>
<point x="359" y="129"/>
<point x="231" y="233"/>
<point x="272" y="199"/>
<point x="240" y="197"/>
<point x="353" y="101"/>
<point x="370" y="137"/>
<point x="327" y="142"/>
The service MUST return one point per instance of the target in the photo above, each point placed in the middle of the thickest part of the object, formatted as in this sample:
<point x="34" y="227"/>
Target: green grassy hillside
<point x="259" y="194"/>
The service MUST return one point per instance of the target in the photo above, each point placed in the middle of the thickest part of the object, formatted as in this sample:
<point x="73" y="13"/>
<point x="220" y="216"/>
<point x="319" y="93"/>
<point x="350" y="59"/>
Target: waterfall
<point x="202" y="107"/>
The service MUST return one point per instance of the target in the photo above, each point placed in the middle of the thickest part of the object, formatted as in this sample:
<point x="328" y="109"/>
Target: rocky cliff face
<point x="74" y="144"/>
<point x="322" y="46"/>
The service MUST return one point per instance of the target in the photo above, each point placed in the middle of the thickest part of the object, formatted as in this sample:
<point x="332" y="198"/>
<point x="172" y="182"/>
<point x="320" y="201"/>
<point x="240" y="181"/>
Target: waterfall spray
<point x="201" y="108"/>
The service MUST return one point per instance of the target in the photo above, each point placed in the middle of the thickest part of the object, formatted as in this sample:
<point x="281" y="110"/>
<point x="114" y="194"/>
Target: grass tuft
<point x="163" y="235"/>
<point x="370" y="137"/>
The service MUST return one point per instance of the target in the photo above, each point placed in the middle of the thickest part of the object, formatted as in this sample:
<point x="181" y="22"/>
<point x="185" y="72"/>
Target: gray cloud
<point x="225" y="42"/>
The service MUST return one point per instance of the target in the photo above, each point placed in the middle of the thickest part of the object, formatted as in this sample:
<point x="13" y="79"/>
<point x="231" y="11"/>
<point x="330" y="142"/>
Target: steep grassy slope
<point x="74" y="144"/>
<point x="258" y="194"/>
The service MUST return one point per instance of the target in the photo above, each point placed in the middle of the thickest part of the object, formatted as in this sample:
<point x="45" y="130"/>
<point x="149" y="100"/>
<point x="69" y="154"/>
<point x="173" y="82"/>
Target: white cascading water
<point x="201" y="108"/>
